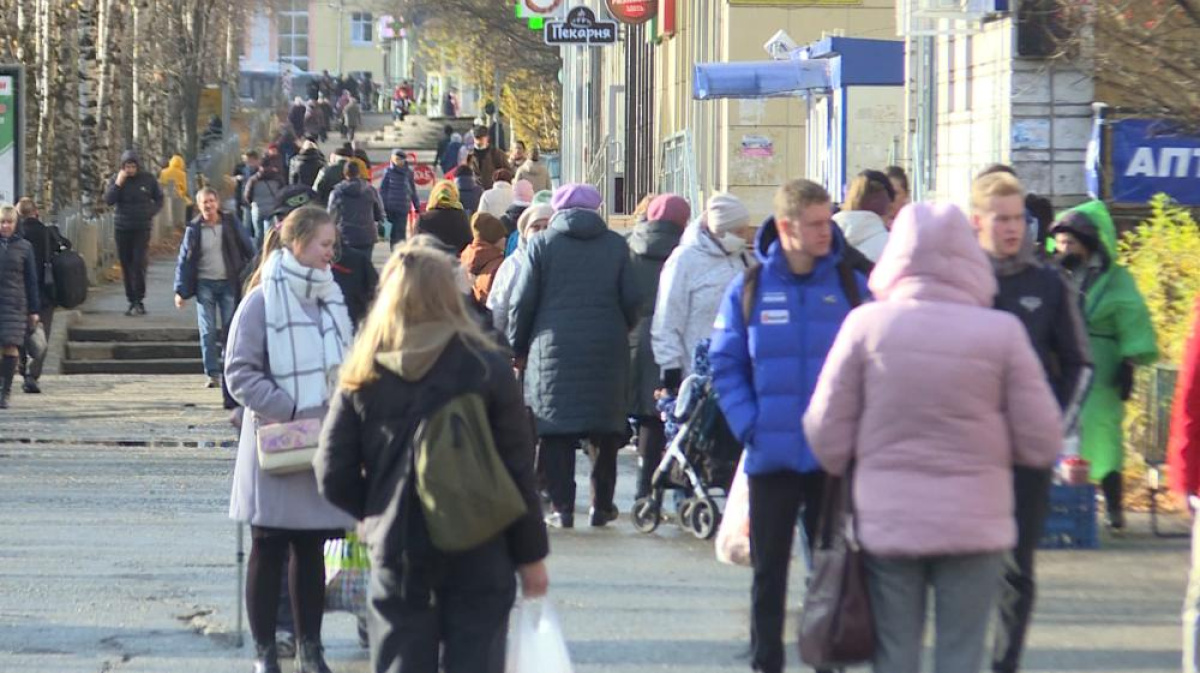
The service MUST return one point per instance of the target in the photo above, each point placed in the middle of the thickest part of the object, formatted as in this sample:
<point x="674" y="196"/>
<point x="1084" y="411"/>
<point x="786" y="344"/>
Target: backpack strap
<point x="750" y="278"/>
<point x="849" y="284"/>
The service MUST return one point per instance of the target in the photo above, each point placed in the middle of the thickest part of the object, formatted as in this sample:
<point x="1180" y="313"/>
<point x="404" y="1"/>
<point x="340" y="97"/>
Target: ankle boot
<point x="310" y="657"/>
<point x="8" y="369"/>
<point x="1113" y="486"/>
<point x="266" y="659"/>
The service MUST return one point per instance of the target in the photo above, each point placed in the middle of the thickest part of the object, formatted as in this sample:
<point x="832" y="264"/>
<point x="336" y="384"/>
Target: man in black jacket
<point x="1045" y="303"/>
<point x="307" y="165"/>
<point x="46" y="241"/>
<point x="137" y="198"/>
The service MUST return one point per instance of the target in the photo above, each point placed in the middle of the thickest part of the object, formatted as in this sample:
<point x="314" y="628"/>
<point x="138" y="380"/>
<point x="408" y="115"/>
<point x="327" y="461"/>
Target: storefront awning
<point x="759" y="79"/>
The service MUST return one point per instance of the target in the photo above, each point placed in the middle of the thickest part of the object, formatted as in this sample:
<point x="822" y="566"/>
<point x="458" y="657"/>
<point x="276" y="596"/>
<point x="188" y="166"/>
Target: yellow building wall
<point x="323" y="40"/>
<point x="737" y="32"/>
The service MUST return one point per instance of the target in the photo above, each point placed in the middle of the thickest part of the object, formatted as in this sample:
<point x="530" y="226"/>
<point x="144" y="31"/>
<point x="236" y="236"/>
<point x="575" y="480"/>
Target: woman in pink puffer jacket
<point x="935" y="396"/>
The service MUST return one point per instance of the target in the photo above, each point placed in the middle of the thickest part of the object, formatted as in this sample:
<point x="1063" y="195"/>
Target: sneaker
<point x="560" y="520"/>
<point x="31" y="387"/>
<point x="603" y="517"/>
<point x="132" y="310"/>
<point x="140" y="308"/>
<point x="285" y="644"/>
<point x="214" y="382"/>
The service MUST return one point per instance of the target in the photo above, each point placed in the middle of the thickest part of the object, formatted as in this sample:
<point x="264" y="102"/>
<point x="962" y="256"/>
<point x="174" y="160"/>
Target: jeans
<point x="1017" y="586"/>
<point x="132" y="251"/>
<point x="213" y="296"/>
<point x="776" y="501"/>
<point x="964" y="590"/>
<point x="558" y="458"/>
<point x="1191" y="606"/>
<point x="455" y="610"/>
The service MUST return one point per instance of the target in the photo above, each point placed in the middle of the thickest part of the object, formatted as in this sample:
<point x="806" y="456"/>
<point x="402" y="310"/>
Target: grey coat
<point x="289" y="501"/>
<point x="18" y="289"/>
<point x="650" y="244"/>
<point x="574" y="303"/>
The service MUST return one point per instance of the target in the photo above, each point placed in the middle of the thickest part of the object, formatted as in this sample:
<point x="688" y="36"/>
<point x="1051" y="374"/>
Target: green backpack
<point x="466" y="492"/>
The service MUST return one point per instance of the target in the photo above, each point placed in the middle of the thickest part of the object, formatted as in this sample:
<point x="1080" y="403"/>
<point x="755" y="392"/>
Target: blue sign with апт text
<point x="1150" y="156"/>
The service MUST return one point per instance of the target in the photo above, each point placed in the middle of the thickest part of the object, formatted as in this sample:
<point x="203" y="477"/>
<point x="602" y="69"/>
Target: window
<point x="362" y="28"/>
<point x="293" y="34"/>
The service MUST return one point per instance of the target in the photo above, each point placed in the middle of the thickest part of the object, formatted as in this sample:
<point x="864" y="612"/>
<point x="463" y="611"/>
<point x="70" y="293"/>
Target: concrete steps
<point x="133" y="349"/>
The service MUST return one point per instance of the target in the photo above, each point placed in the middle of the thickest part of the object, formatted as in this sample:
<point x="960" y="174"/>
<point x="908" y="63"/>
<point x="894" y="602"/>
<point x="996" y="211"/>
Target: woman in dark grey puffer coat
<point x="650" y="244"/>
<point x="18" y="297"/>
<point x="574" y="303"/>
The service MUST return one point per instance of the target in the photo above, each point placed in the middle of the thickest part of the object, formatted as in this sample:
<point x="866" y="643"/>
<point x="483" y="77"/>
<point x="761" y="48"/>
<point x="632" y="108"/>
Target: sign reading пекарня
<point x="581" y="27"/>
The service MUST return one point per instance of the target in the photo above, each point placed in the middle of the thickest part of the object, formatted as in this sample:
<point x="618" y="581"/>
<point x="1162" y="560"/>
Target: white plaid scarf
<point x="304" y="355"/>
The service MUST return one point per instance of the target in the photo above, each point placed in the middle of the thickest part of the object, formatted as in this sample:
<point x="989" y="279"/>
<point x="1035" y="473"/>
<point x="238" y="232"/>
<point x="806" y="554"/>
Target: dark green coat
<point x="650" y="244"/>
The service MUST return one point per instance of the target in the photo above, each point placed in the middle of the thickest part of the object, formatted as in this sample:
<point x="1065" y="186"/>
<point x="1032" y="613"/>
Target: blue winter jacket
<point x="765" y="372"/>
<point x="236" y="248"/>
<point x="399" y="191"/>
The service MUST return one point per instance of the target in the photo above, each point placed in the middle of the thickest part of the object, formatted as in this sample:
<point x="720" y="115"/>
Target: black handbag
<point x="836" y="627"/>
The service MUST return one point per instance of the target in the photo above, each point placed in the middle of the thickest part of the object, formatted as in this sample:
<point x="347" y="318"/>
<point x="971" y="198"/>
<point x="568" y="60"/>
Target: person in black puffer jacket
<point x="573" y="305"/>
<point x="19" y="298"/>
<point x="650" y="244"/>
<point x="418" y="351"/>
<point x="47" y="242"/>
<point x="307" y="165"/>
<point x="137" y="198"/>
<point x="357" y="210"/>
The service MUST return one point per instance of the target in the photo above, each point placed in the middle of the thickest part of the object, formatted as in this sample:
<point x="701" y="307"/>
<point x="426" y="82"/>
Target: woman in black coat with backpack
<point x="19" y="298"/>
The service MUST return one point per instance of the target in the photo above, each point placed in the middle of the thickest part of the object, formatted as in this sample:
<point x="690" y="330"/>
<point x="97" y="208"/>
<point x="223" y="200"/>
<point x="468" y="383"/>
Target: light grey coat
<point x="289" y="501"/>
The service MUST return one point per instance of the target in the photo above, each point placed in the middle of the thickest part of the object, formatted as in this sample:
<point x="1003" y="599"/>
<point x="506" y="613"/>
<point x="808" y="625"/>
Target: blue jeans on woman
<point x="213" y="296"/>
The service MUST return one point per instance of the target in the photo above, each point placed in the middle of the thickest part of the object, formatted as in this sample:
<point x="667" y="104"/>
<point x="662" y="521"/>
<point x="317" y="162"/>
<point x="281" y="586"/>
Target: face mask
<point x="732" y="243"/>
<point x="1071" y="262"/>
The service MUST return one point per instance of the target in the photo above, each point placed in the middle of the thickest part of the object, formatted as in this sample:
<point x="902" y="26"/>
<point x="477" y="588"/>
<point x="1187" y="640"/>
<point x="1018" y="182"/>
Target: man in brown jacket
<point x="485" y="159"/>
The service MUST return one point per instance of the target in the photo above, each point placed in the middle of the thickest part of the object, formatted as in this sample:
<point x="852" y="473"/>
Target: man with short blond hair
<point x="1045" y="303"/>
<point x="774" y="329"/>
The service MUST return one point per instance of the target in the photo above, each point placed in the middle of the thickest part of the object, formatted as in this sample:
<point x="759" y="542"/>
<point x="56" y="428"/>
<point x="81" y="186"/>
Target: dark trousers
<point x="367" y="250"/>
<point x="652" y="443"/>
<point x="133" y="252"/>
<point x="269" y="554"/>
<point x="457" y="608"/>
<point x="399" y="220"/>
<point x="558" y="459"/>
<point x="776" y="500"/>
<point x="31" y="368"/>
<point x="1017" y="586"/>
<point x="1113" y="487"/>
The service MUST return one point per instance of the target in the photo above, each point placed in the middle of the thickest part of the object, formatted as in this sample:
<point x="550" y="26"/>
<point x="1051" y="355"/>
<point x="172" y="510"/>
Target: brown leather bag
<point x="836" y="628"/>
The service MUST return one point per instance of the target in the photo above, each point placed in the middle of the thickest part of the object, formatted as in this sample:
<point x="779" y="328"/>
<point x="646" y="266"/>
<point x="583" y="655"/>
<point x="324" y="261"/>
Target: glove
<point x="1125" y="380"/>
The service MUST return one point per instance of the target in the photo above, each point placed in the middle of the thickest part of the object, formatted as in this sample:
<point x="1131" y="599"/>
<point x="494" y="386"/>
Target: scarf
<point x="304" y="355"/>
<point x="444" y="197"/>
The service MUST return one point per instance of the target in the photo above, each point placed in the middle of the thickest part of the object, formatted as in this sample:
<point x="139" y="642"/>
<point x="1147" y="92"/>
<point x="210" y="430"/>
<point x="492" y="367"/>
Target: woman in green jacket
<point x="1121" y="335"/>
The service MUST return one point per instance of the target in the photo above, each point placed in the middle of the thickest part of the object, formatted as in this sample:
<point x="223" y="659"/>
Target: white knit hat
<point x="725" y="213"/>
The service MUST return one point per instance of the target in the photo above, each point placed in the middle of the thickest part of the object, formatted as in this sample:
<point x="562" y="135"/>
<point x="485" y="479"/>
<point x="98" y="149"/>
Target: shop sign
<point x="582" y="28"/>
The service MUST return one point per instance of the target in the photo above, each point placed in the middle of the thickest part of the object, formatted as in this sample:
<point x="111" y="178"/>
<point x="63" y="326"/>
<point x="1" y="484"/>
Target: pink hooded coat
<point x="935" y="395"/>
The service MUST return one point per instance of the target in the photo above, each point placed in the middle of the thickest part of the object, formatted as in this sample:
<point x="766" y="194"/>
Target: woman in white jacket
<point x="868" y="201"/>
<point x="536" y="218"/>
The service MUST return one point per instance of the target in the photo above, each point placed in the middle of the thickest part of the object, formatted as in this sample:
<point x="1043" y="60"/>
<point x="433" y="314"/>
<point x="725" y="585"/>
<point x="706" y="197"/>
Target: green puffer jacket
<point x="1119" y="329"/>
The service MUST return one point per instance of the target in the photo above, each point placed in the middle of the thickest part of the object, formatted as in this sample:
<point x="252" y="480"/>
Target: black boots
<point x="266" y="659"/>
<point x="1113" y="486"/>
<point x="8" y="370"/>
<point x="310" y="657"/>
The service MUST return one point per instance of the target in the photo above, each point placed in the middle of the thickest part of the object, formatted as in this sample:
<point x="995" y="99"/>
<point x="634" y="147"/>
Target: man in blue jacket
<point x="775" y="327"/>
<point x="399" y="193"/>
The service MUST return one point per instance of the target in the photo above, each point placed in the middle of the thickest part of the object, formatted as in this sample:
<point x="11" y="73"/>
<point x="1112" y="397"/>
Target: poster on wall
<point x="10" y="133"/>
<point x="1150" y="157"/>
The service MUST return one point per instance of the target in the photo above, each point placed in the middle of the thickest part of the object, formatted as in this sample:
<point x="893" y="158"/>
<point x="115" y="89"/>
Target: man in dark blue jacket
<point x="212" y="256"/>
<point x="774" y="330"/>
<point x="137" y="197"/>
<point x="399" y="193"/>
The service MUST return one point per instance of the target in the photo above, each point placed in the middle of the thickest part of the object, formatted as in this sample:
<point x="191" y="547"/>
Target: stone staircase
<point x="132" y="349"/>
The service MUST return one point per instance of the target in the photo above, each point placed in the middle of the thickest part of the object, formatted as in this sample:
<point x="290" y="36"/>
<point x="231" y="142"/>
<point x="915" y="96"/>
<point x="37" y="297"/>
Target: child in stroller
<point x="700" y="459"/>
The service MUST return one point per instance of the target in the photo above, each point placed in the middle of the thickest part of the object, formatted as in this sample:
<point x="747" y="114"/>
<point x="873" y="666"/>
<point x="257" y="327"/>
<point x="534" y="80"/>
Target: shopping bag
<point x="535" y="640"/>
<point x="347" y="571"/>
<point x="733" y="537"/>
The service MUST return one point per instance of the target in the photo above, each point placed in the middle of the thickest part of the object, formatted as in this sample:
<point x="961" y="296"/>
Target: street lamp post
<point x="340" y="6"/>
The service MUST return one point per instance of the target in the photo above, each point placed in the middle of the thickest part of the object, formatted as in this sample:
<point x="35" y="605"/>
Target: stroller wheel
<point x="685" y="513"/>
<point x="704" y="519"/>
<point x="646" y="515"/>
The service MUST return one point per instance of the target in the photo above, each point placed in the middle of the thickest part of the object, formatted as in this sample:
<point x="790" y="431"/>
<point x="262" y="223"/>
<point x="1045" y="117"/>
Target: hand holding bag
<point x="733" y="537"/>
<point x="347" y="573"/>
<point x="836" y="628"/>
<point x="286" y="448"/>
<point x="535" y="640"/>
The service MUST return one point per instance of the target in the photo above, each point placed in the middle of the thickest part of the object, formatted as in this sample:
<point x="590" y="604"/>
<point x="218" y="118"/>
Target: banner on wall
<point x="1150" y="156"/>
<point x="11" y="140"/>
<point x="633" y="11"/>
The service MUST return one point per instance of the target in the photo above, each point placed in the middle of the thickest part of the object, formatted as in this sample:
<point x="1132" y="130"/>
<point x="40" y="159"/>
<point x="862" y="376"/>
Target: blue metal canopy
<point x="759" y="79"/>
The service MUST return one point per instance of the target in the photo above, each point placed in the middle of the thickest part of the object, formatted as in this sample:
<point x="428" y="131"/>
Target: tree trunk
<point x="90" y="74"/>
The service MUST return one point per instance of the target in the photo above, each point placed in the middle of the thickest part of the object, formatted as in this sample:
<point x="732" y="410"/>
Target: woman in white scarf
<point x="285" y="346"/>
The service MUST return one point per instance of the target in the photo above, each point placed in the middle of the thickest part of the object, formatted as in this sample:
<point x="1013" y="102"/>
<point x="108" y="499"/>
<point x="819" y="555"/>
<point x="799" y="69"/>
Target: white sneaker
<point x="213" y="382"/>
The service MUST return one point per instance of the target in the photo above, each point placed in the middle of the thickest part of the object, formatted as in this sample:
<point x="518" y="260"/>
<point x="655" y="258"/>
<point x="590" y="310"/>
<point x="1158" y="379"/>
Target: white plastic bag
<point x="535" y="640"/>
<point x="733" y="537"/>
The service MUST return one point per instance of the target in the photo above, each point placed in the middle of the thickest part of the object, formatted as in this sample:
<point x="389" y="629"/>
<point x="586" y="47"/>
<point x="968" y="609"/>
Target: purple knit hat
<point x="577" y="196"/>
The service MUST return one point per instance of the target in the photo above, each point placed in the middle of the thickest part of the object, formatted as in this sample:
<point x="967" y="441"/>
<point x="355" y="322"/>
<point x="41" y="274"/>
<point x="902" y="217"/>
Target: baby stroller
<point x="700" y="459"/>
